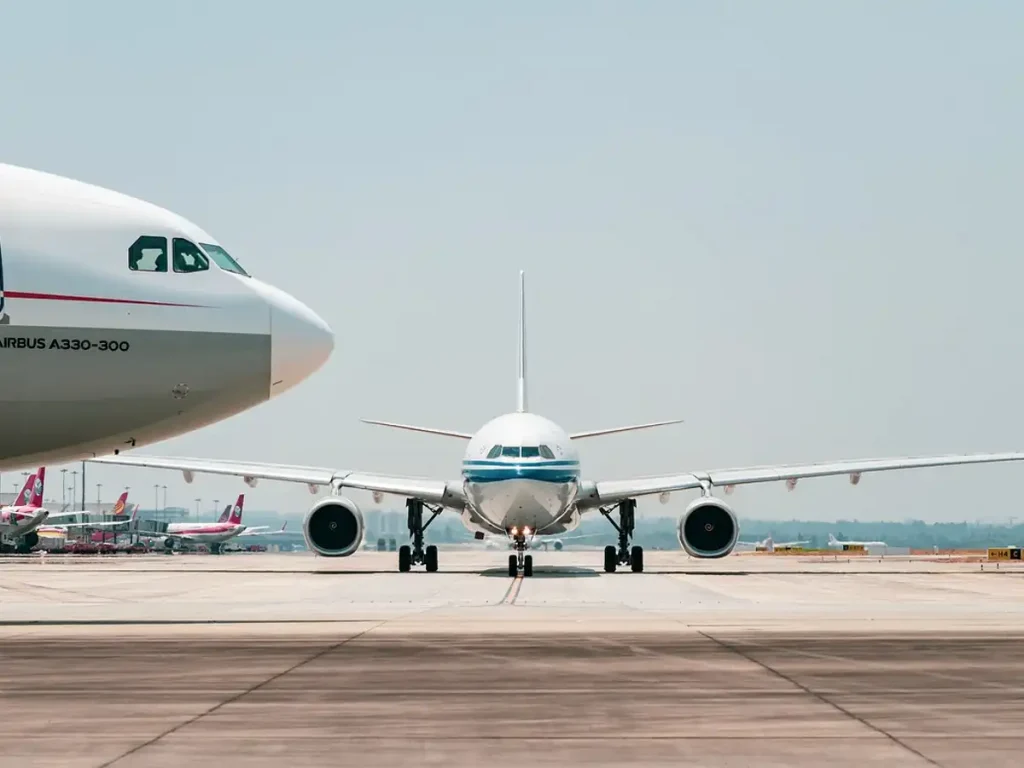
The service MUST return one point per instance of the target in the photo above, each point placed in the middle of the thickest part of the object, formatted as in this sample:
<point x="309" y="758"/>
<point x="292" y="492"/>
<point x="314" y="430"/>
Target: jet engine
<point x="708" y="528"/>
<point x="334" y="527"/>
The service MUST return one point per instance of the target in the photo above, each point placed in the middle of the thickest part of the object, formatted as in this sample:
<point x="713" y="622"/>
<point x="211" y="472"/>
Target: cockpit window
<point x="148" y="254"/>
<point x="494" y="453"/>
<point x="530" y="451"/>
<point x="188" y="257"/>
<point x="223" y="259"/>
<point x="546" y="452"/>
<point x="510" y="450"/>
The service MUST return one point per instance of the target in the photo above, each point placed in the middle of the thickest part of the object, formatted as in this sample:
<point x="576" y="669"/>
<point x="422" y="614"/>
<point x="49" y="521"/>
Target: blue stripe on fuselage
<point x="543" y="471"/>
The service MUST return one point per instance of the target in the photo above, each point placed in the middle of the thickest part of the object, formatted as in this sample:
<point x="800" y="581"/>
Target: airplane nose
<point x="300" y="342"/>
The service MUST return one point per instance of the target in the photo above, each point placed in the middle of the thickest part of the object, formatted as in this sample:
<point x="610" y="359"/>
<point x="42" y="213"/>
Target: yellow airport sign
<point x="1004" y="553"/>
<point x="853" y="547"/>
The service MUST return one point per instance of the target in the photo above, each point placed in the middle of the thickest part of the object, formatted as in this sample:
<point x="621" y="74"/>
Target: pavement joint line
<point x="240" y="695"/>
<point x="819" y="696"/>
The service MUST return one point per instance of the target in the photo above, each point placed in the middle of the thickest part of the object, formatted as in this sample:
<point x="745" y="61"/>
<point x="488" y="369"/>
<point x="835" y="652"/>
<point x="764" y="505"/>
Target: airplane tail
<point x="521" y="401"/>
<point x="832" y="539"/>
<point x="236" y="513"/>
<point x="225" y="514"/>
<point x="26" y="492"/>
<point x="119" y="505"/>
<point x="36" y="499"/>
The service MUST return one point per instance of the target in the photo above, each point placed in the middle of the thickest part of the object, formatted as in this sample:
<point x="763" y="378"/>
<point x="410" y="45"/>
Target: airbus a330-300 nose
<point x="127" y="324"/>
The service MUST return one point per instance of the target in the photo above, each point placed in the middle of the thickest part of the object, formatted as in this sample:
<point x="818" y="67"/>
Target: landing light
<point x="526" y="531"/>
<point x="513" y="531"/>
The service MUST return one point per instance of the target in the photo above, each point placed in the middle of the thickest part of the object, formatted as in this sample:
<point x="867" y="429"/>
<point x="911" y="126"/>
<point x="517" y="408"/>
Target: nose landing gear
<point x="417" y="554"/>
<point x="623" y="554"/>
<point x="520" y="561"/>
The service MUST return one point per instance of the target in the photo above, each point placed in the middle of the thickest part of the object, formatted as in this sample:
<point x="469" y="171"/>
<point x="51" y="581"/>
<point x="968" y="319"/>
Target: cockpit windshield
<point x="530" y="451"/>
<point x="223" y="259"/>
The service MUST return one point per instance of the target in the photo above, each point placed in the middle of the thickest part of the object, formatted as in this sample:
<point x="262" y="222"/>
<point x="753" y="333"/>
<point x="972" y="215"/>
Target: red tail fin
<point x="25" y="496"/>
<point x="119" y="505"/>
<point x="236" y="513"/>
<point x="37" y="488"/>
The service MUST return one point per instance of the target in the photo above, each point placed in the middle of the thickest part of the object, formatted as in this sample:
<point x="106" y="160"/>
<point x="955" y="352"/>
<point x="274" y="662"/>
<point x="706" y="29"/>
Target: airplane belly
<point x="519" y="503"/>
<point x="70" y="393"/>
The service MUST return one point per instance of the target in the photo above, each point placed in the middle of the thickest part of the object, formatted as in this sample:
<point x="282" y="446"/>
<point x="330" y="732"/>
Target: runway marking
<point x="820" y="697"/>
<point x="513" y="591"/>
<point x="240" y="695"/>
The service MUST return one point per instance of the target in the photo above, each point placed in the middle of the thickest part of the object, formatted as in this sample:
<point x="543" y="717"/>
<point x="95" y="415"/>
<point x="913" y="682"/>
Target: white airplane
<point x="163" y="330"/>
<point x="770" y="545"/>
<point x="521" y="477"/>
<point x="834" y="543"/>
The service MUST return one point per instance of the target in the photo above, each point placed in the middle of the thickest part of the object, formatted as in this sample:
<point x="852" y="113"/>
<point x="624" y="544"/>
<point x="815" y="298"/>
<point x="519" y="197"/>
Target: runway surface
<point x="271" y="660"/>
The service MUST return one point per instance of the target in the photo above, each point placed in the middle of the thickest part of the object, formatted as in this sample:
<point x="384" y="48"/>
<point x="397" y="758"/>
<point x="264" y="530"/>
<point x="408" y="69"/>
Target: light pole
<point x="164" y="489"/>
<point x="74" y="485"/>
<point x="216" y="506"/>
<point x="64" y="488"/>
<point x="198" y="502"/>
<point x="156" y="498"/>
<point x="99" y="501"/>
<point x="83" y="486"/>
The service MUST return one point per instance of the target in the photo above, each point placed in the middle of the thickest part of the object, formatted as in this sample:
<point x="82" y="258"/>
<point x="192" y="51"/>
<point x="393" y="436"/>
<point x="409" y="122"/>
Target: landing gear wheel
<point x="528" y="566"/>
<point x="513" y="566"/>
<point x="416" y="553"/>
<point x="610" y="559"/>
<point x="621" y="555"/>
<point x="636" y="559"/>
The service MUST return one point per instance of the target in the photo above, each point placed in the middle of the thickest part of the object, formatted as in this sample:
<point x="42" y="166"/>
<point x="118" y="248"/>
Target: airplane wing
<point x="434" y="491"/>
<point x="612" y="491"/>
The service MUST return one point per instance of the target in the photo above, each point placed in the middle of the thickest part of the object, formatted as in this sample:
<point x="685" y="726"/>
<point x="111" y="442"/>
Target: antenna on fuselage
<point x="521" y="382"/>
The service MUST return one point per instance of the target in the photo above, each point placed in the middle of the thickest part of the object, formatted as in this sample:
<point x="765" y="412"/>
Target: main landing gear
<point x="520" y="562"/>
<point x="417" y="554"/>
<point x="623" y="554"/>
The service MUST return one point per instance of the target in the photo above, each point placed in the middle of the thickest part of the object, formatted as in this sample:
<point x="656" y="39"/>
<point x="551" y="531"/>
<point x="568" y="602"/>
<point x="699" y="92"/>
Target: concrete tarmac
<point x="292" y="660"/>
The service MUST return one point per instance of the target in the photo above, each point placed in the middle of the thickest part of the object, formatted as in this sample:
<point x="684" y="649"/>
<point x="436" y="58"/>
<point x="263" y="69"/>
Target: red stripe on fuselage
<point x="93" y="299"/>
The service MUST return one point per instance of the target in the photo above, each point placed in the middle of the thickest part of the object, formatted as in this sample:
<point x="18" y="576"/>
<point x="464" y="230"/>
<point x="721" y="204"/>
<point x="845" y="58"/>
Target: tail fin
<point x="26" y="492"/>
<point x="225" y="514"/>
<point x="236" y="513"/>
<point x="832" y="539"/>
<point x="119" y="505"/>
<point x="37" y="488"/>
<point x="521" y="401"/>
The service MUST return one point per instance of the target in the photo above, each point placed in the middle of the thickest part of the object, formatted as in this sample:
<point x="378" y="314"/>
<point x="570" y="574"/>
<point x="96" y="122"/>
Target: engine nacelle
<point x="334" y="527"/>
<point x="708" y="528"/>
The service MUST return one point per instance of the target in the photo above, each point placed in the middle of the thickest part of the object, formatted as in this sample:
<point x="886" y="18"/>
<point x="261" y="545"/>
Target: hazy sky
<point x="796" y="225"/>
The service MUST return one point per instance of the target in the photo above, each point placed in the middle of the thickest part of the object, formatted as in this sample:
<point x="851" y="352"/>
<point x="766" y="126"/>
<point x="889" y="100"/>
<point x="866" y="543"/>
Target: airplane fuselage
<point x="521" y="471"/>
<point x="17" y="521"/>
<point x="122" y="323"/>
<point x="206" y="533"/>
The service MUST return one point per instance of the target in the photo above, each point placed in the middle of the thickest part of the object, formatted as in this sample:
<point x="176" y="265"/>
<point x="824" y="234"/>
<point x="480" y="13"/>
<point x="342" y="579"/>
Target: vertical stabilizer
<point x="26" y="492"/>
<point x="521" y="404"/>
<point x="236" y="513"/>
<point x="119" y="505"/>
<point x="36" y="500"/>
